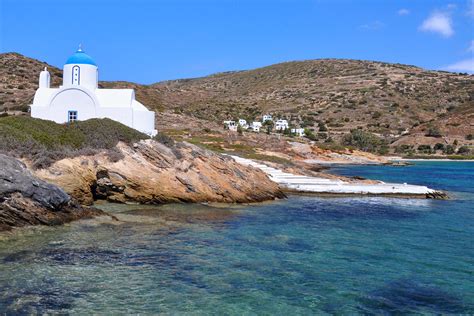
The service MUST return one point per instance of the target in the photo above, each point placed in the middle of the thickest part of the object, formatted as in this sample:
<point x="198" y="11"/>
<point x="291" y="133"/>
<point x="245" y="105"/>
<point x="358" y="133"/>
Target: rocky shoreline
<point x="153" y="173"/>
<point x="27" y="200"/>
<point x="150" y="172"/>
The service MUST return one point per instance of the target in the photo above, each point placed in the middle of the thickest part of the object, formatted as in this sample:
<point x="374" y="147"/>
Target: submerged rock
<point x="151" y="172"/>
<point x="27" y="200"/>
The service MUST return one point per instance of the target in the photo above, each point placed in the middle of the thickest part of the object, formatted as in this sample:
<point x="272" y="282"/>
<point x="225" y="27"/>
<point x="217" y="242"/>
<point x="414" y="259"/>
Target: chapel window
<point x="76" y="75"/>
<point x="72" y="116"/>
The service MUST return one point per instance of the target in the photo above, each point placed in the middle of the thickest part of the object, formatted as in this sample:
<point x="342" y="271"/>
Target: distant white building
<point x="298" y="131"/>
<point x="267" y="117"/>
<point x="231" y="125"/>
<point x="255" y="126"/>
<point x="281" y="125"/>
<point x="243" y="123"/>
<point x="79" y="98"/>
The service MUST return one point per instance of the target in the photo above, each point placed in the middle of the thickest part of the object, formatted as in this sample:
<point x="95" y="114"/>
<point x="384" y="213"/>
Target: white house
<point x="243" y="123"/>
<point x="281" y="125"/>
<point x="79" y="98"/>
<point x="298" y="131"/>
<point x="255" y="126"/>
<point x="231" y="125"/>
<point x="267" y="117"/>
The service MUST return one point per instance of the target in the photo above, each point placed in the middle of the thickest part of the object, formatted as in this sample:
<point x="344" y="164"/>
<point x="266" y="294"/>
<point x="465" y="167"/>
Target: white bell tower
<point x="80" y="70"/>
<point x="44" y="78"/>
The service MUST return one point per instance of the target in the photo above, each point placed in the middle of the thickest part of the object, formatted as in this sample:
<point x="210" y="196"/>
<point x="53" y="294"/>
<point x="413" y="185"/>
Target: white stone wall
<point x="144" y="121"/>
<point x="72" y="99"/>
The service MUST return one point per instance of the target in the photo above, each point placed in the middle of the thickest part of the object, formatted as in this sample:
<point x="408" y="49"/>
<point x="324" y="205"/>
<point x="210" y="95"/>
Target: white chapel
<point x="79" y="98"/>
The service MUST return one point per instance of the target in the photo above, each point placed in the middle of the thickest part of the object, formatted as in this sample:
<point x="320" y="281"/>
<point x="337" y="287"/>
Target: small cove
<point x="301" y="255"/>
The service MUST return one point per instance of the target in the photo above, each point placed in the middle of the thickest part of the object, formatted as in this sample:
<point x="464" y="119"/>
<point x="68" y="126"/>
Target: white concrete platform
<point x="322" y="185"/>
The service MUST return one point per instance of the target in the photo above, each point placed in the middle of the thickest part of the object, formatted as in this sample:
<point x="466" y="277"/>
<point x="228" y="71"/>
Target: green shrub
<point x="322" y="127"/>
<point x="438" y="146"/>
<point x="309" y="134"/>
<point x="464" y="150"/>
<point x="268" y="124"/>
<point x="240" y="130"/>
<point x="383" y="149"/>
<point x="449" y="150"/>
<point x="44" y="142"/>
<point x="404" y="149"/>
<point x="164" y="139"/>
<point x="332" y="146"/>
<point x="425" y="149"/>
<point x="433" y="131"/>
<point x="363" y="140"/>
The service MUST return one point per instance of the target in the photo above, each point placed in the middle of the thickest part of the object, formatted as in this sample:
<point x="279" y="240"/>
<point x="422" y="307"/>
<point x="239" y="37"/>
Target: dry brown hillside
<point x="19" y="80"/>
<point x="379" y="97"/>
<point x="396" y="101"/>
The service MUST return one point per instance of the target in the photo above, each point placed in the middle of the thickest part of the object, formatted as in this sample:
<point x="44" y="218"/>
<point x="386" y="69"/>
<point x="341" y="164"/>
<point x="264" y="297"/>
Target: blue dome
<point x="80" y="57"/>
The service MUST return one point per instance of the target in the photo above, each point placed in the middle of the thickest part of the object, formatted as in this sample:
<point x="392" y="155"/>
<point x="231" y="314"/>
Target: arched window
<point x="76" y="75"/>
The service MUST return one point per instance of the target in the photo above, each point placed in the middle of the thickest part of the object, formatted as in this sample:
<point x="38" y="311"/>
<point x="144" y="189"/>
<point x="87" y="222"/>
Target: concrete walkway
<point x="299" y="183"/>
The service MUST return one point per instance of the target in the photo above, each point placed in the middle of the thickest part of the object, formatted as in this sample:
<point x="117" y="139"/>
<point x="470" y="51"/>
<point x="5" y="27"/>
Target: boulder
<point x="27" y="200"/>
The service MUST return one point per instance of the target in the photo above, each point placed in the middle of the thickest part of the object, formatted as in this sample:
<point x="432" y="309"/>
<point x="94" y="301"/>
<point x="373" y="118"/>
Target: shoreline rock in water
<point x="150" y="173"/>
<point x="27" y="200"/>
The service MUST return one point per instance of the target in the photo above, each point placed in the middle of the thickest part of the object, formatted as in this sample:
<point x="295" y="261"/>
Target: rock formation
<point x="27" y="200"/>
<point x="151" y="172"/>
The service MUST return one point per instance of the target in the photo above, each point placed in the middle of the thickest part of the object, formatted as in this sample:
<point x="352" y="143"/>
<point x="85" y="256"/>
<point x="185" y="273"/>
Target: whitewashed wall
<point x="88" y="75"/>
<point x="84" y="97"/>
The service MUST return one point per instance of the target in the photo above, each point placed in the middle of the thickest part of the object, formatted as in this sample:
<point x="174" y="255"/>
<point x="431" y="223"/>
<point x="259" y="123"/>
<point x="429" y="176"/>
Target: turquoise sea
<point x="300" y="256"/>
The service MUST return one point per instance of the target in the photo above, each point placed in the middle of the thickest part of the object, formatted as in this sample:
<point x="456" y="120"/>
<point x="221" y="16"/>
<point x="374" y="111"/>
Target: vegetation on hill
<point x="19" y="80"/>
<point x="400" y="104"/>
<point x="44" y="142"/>
<point x="389" y="100"/>
<point x="365" y="141"/>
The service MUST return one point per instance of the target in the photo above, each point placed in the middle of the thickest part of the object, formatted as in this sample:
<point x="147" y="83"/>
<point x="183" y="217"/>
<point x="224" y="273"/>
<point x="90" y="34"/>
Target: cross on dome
<point x="80" y="57"/>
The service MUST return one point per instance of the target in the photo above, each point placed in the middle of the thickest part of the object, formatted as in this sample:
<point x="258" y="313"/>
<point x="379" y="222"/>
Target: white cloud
<point x="375" y="25"/>
<point x="438" y="22"/>
<point x="404" y="11"/>
<point x="466" y="65"/>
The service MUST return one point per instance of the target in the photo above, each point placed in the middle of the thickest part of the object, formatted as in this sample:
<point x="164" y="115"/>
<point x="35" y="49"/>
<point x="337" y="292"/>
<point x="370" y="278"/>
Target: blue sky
<point x="147" y="41"/>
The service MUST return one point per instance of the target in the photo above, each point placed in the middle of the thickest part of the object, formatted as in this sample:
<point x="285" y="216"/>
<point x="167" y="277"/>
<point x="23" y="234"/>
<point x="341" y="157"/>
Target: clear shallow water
<point x="300" y="256"/>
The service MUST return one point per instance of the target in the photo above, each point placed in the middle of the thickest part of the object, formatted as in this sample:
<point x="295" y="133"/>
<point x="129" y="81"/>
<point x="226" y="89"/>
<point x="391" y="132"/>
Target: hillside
<point x="386" y="99"/>
<point x="19" y="80"/>
<point x="398" y="102"/>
